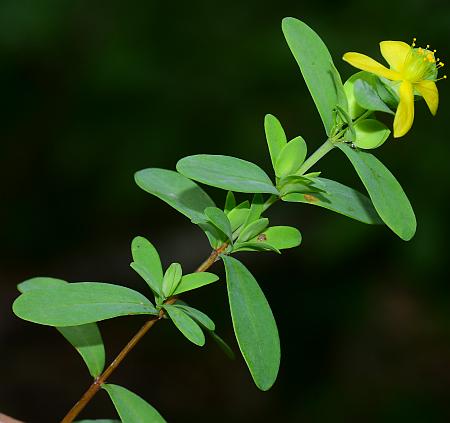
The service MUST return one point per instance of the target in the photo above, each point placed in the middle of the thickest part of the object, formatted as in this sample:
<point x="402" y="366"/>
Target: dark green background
<point x="92" y="91"/>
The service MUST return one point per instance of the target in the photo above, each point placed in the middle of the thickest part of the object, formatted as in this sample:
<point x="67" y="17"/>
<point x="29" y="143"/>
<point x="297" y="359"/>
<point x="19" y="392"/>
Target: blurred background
<point x="94" y="91"/>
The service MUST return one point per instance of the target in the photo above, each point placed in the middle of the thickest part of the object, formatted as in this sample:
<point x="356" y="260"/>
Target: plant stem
<point x="99" y="381"/>
<point x="362" y="117"/>
<point x="325" y="148"/>
<point x="271" y="200"/>
<point x="97" y="384"/>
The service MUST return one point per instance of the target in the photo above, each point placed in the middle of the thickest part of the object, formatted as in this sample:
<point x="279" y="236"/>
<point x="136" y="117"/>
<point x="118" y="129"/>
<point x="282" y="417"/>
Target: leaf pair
<point x="286" y="157"/>
<point x="365" y="92"/>
<point x="148" y="265"/>
<point x="86" y="338"/>
<point x="192" y="323"/>
<point x="187" y="320"/>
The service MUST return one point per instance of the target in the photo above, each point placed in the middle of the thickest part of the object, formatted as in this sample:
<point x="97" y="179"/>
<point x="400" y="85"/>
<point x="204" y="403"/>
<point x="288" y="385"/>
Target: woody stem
<point x="99" y="381"/>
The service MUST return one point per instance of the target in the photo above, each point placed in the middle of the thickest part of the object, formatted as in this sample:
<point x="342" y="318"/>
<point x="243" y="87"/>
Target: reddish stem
<point x="97" y="384"/>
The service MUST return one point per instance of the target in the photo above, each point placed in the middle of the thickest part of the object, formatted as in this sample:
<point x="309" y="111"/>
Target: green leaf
<point x="215" y="236"/>
<point x="130" y="407"/>
<point x="341" y="199"/>
<point x="186" y="325"/>
<point x="222" y="345"/>
<point x="171" y="279"/>
<point x="198" y="316"/>
<point x="291" y="157"/>
<point x="227" y="173"/>
<point x="367" y="97"/>
<point x="79" y="303"/>
<point x="298" y="184"/>
<point x="254" y="246"/>
<point x="386" y="193"/>
<point x="253" y="229"/>
<point x="239" y="215"/>
<point x="386" y="89"/>
<point x="254" y="324"/>
<point x="86" y="339"/>
<point x="195" y="280"/>
<point x="275" y="136"/>
<point x="176" y="190"/>
<point x="219" y="219"/>
<point x="354" y="109"/>
<point x="256" y="209"/>
<point x="230" y="202"/>
<point x="147" y="263"/>
<point x="370" y="133"/>
<point x="40" y="282"/>
<point x="316" y="65"/>
<point x="280" y="237"/>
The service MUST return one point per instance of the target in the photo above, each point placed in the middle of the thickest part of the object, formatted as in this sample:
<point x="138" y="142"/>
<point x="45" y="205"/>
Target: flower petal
<point x="366" y="63"/>
<point x="395" y="53"/>
<point x="429" y="92"/>
<point x="405" y="112"/>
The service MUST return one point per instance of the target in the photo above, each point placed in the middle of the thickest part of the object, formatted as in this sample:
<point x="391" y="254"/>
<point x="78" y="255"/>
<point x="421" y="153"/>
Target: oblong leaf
<point x="198" y="316"/>
<point x="195" y="280"/>
<point x="256" y="209"/>
<point x="291" y="157"/>
<point x="280" y="237"/>
<point x="230" y="202"/>
<point x="339" y="198"/>
<point x="79" y="303"/>
<point x="354" y="109"/>
<point x="275" y="136"/>
<point x="147" y="263"/>
<point x="367" y="97"/>
<point x="86" y="339"/>
<point x="386" y="193"/>
<point x="220" y="220"/>
<point x="370" y="133"/>
<point x="171" y="279"/>
<point x="130" y="407"/>
<point x="239" y="215"/>
<point x="317" y="68"/>
<point x="215" y="236"/>
<point x="253" y="323"/>
<point x="186" y="325"/>
<point x="253" y="229"/>
<point x="226" y="172"/>
<point x="176" y="190"/>
<point x="40" y="282"/>
<point x="254" y="246"/>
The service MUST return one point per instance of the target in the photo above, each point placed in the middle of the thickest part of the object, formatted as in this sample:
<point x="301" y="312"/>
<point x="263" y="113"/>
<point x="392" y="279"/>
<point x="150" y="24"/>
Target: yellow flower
<point x="415" y="69"/>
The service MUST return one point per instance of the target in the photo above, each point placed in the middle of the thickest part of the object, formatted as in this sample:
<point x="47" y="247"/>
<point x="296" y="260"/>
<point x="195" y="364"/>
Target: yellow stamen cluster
<point x="429" y="58"/>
